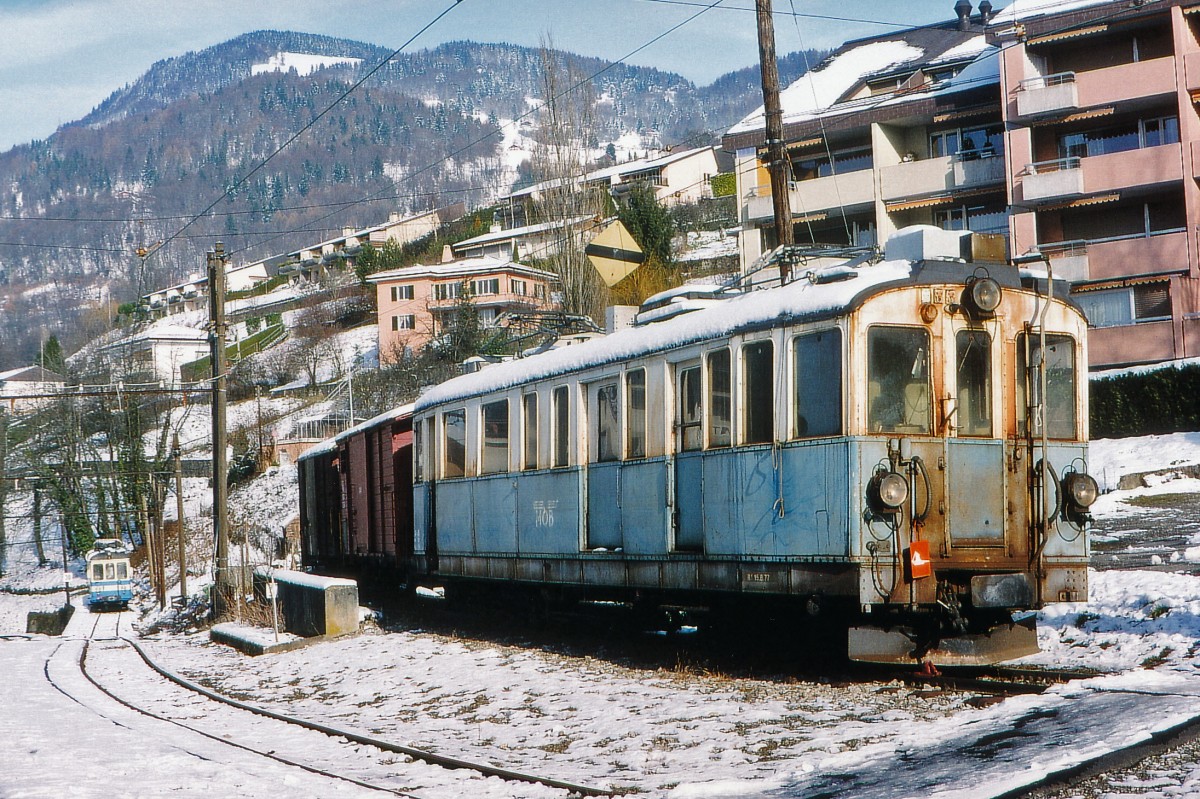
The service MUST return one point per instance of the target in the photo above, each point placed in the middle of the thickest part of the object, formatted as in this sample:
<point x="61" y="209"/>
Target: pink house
<point x="413" y="302"/>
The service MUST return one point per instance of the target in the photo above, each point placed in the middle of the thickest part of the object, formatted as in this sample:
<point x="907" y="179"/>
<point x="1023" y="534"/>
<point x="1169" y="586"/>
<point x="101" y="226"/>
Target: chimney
<point x="985" y="11"/>
<point x="963" y="9"/>
<point x="447" y="254"/>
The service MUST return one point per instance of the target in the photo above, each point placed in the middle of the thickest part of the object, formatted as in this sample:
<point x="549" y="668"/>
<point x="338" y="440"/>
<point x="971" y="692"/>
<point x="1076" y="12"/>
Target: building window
<point x="402" y="293"/>
<point x="529" y="423"/>
<point x="818" y="384"/>
<point x="989" y="218"/>
<point x="720" y="400"/>
<point x="758" y="392"/>
<point x="495" y="437"/>
<point x="518" y="287"/>
<point x="973" y="409"/>
<point x="562" y="427"/>
<point x="635" y="413"/>
<point x="898" y="387"/>
<point x="454" y="443"/>
<point x="982" y="141"/>
<point x="608" y="442"/>
<point x="1060" y="385"/>
<point x="486" y="286"/>
<point x="447" y="291"/>
<point x="404" y="322"/>
<point x="1130" y="135"/>
<point x="1127" y="305"/>
<point x="849" y="160"/>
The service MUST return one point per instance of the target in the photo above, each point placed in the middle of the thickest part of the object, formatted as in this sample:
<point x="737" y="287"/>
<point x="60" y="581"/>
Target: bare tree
<point x="559" y="164"/>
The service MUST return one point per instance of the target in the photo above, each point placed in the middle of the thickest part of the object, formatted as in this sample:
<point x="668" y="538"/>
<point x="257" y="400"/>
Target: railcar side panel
<point x="645" y="516"/>
<point x="816" y="514"/>
<point x="604" y="506"/>
<point x="548" y="512"/>
<point x="495" y="514"/>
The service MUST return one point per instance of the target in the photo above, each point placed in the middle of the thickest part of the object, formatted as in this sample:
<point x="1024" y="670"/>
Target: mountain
<point x="430" y="127"/>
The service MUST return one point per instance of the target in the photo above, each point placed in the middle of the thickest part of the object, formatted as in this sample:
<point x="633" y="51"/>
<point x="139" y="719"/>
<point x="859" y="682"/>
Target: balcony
<point x="1106" y="259"/>
<point x="1049" y="180"/>
<point x="966" y="170"/>
<point x="814" y="196"/>
<point x="1047" y="94"/>
<point x="1097" y="174"/>
<point x="1063" y="92"/>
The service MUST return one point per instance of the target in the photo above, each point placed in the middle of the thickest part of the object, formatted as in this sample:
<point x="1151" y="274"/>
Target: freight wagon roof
<point x="796" y="301"/>
<point x="330" y="444"/>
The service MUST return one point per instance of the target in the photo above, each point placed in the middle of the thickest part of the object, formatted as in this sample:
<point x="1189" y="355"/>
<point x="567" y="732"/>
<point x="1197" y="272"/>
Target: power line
<point x="792" y="13"/>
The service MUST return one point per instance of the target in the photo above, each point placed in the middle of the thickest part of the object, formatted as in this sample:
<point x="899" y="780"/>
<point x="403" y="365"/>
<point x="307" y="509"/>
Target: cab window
<point x="495" y="437"/>
<point x="608" y="441"/>
<point x="720" y="412"/>
<point x="1060" y="385"/>
<point x="635" y="413"/>
<point x="688" y="404"/>
<point x="898" y="388"/>
<point x="973" y="371"/>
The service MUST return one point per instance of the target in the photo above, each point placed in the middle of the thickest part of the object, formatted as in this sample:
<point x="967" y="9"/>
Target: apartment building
<point x="1067" y="126"/>
<point x="415" y="302"/>
<point x="1103" y="137"/>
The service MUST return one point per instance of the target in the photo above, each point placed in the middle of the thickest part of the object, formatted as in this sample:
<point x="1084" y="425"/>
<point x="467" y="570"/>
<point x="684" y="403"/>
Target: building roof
<point x="465" y="267"/>
<point x="161" y="333"/>
<point x="618" y="170"/>
<point x="825" y="91"/>
<point x="31" y="374"/>
<point x="518" y="232"/>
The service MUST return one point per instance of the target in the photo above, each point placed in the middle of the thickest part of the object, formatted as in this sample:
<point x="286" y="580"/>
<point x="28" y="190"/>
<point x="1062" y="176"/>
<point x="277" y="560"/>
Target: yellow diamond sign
<point x="614" y="253"/>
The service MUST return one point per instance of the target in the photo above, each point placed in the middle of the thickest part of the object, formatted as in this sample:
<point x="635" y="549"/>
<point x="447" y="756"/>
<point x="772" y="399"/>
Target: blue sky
<point x="62" y="57"/>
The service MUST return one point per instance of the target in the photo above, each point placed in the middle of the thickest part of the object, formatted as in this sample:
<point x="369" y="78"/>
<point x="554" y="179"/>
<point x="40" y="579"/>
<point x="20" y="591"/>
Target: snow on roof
<point x="484" y="264"/>
<point x="968" y="49"/>
<point x="796" y="300"/>
<point x="819" y="89"/>
<point x="1023" y="9"/>
<point x="31" y="374"/>
<point x="516" y="232"/>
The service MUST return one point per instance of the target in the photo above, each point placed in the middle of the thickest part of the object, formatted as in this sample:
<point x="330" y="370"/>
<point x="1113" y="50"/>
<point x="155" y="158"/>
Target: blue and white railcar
<point x="905" y="440"/>
<point x="110" y="577"/>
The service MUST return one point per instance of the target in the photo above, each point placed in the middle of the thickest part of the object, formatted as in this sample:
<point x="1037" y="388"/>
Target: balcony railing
<point x="817" y="195"/>
<point x="1104" y="258"/>
<point x="1047" y="94"/>
<point x="1044" y="180"/>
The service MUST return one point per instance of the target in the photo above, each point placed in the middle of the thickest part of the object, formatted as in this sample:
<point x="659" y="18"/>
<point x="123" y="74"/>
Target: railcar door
<point x="689" y="459"/>
<point x="975" y="452"/>
<point x="604" y="466"/>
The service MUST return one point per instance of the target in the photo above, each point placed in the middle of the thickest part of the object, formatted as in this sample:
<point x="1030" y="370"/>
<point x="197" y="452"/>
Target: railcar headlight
<point x="888" y="491"/>
<point x="1081" y="489"/>
<point x="982" y="296"/>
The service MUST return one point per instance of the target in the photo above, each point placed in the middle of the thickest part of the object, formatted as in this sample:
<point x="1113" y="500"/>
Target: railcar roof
<point x="797" y="301"/>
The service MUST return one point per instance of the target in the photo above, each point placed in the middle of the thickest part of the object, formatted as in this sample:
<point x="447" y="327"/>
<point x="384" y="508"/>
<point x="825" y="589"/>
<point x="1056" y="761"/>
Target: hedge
<point x="1165" y="400"/>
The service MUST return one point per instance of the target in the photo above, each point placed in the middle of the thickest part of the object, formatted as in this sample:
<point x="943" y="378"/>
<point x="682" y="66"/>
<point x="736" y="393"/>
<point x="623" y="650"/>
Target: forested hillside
<point x="425" y="131"/>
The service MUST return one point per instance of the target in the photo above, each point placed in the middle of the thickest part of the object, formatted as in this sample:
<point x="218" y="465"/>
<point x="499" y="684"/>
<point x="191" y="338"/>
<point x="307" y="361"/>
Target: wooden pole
<point x="777" y="161"/>
<point x="177" y="457"/>
<point x="220" y="488"/>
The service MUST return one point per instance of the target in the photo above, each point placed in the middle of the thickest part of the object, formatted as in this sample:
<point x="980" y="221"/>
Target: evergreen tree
<point x="649" y="223"/>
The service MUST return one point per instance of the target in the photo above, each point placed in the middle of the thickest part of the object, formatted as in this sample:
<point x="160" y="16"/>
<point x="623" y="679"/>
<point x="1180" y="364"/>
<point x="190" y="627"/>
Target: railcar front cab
<point x="110" y="577"/>
<point x="975" y="491"/>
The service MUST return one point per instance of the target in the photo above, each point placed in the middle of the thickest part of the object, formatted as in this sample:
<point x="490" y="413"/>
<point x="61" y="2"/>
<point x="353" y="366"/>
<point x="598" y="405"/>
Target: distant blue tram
<point x="903" y="441"/>
<point x="110" y="577"/>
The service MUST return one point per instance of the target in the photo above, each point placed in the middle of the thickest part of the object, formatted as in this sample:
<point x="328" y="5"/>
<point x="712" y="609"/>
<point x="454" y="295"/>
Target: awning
<point x="1082" y="201"/>
<point x="1102" y="285"/>
<point x="1192" y="10"/>
<point x="938" y="199"/>
<point x="1058" y="37"/>
<point x="1092" y="114"/>
<point x="966" y="113"/>
<point x="814" y="217"/>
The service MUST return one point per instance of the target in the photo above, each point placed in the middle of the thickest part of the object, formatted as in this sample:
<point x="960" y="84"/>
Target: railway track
<point x="106" y="661"/>
<point x="998" y="680"/>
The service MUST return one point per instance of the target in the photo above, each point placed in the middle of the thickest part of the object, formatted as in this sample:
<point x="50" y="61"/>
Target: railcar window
<point x="973" y="355"/>
<point x="418" y="453"/>
<point x="720" y="405"/>
<point x="122" y="571"/>
<point x="109" y="572"/>
<point x="690" y="433"/>
<point x="430" y="454"/>
<point x="454" y="444"/>
<point x="818" y="379"/>
<point x="758" y="383"/>
<point x="898" y="389"/>
<point x="98" y="571"/>
<point x="562" y="427"/>
<point x="529" y="408"/>
<point x="635" y="413"/>
<point x="1060" y="385"/>
<point x="608" y="441"/>
<point x="495" y="437"/>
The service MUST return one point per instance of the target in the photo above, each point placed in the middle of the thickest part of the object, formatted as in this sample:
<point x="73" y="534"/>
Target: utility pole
<point x="777" y="162"/>
<point x="37" y="523"/>
<point x="220" y="488"/>
<point x="3" y="486"/>
<point x="177" y="457"/>
<point x="160" y="533"/>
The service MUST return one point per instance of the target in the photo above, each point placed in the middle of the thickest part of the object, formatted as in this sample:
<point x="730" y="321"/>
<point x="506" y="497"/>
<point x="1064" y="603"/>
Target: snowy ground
<point x="677" y="733"/>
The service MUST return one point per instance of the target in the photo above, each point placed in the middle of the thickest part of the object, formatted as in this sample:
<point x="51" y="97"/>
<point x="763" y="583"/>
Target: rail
<point x="1055" y="165"/>
<point x="1045" y="81"/>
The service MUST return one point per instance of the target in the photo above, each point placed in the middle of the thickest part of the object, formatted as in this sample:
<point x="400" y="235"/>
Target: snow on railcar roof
<point x="799" y="299"/>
